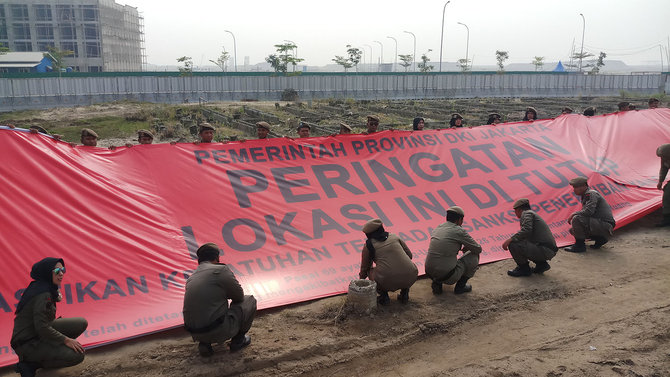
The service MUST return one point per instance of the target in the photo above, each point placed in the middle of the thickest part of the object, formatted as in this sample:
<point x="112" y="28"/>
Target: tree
<point x="538" y="62"/>
<point x="187" y="69"/>
<point x="464" y="64"/>
<point x="3" y="49"/>
<point x="354" y="55"/>
<point x="501" y="57"/>
<point x="424" y="66"/>
<point x="598" y="63"/>
<point x="57" y="55"/>
<point x="406" y="60"/>
<point x="344" y="62"/>
<point x="222" y="61"/>
<point x="284" y="56"/>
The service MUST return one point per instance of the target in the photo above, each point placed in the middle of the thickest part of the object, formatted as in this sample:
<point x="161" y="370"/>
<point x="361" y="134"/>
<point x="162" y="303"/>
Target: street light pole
<point x="381" y="55"/>
<point x="442" y="32"/>
<point x="395" y="61"/>
<point x="295" y="51"/>
<point x="467" y="45"/>
<point x="414" y="55"/>
<point x="234" y="47"/>
<point x="371" y="61"/>
<point x="581" y="53"/>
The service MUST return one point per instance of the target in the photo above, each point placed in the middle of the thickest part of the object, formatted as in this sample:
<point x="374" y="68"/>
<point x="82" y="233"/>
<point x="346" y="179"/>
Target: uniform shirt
<point x="207" y="294"/>
<point x="394" y="268"/>
<point x="594" y="205"/>
<point x="445" y="243"/>
<point x="665" y="162"/>
<point x="34" y="321"/>
<point x="534" y="229"/>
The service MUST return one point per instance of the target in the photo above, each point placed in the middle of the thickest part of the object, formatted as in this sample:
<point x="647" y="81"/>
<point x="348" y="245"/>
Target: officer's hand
<point x="505" y="244"/>
<point x="570" y="218"/>
<point x="659" y="186"/>
<point x="74" y="344"/>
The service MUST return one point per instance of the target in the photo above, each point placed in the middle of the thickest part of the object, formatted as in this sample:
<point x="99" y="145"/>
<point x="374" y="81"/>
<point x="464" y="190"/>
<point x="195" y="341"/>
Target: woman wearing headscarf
<point x="418" y="124"/>
<point x="39" y="339"/>
<point x="393" y="269"/>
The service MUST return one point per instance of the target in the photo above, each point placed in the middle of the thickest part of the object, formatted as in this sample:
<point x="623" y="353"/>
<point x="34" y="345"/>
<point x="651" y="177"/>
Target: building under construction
<point x="101" y="34"/>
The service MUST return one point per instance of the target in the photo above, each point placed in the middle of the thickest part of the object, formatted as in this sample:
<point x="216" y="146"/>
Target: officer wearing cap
<point x="653" y="103"/>
<point x="442" y="263"/>
<point x="664" y="153"/>
<point x="456" y="120"/>
<point x="594" y="221"/>
<point x="533" y="242"/>
<point x="372" y="124"/>
<point x="494" y="118"/>
<point x="145" y="137"/>
<point x="88" y="137"/>
<point x="590" y="111"/>
<point x="207" y="315"/>
<point x="530" y="114"/>
<point x="262" y="129"/>
<point x="393" y="269"/>
<point x="623" y="106"/>
<point x="566" y="110"/>
<point x="345" y="129"/>
<point x="303" y="129"/>
<point x="206" y="133"/>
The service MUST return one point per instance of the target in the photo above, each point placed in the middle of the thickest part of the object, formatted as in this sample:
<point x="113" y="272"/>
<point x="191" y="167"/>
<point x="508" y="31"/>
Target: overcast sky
<point x="626" y="30"/>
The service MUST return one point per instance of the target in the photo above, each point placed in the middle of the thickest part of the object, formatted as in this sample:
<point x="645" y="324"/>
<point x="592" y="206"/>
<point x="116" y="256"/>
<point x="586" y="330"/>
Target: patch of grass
<point x="12" y="116"/>
<point x="106" y="127"/>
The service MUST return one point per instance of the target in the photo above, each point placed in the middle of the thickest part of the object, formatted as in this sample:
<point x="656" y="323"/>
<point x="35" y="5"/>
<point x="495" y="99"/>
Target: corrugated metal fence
<point x="45" y="92"/>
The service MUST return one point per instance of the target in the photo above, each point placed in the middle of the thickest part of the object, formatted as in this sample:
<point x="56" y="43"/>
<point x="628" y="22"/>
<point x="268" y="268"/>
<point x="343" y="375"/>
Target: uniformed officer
<point x="145" y="137"/>
<point x="594" y="221"/>
<point x="590" y="111"/>
<point x="530" y="114"/>
<point x="207" y="315"/>
<point x="39" y="339"/>
<point x="664" y="153"/>
<point x="206" y="133"/>
<point x="623" y="106"/>
<point x="88" y="137"/>
<point x="566" y="110"/>
<point x="262" y="129"/>
<point x="533" y="242"/>
<point x="345" y="129"/>
<point x="442" y="264"/>
<point x="393" y="269"/>
<point x="456" y="120"/>
<point x="494" y="118"/>
<point x="653" y="103"/>
<point x="372" y="124"/>
<point x="304" y="129"/>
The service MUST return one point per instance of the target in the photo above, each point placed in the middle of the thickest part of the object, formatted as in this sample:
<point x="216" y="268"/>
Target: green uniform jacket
<point x="534" y="229"/>
<point x="594" y="205"/>
<point x="445" y="243"/>
<point x="33" y="322"/>
<point x="207" y="294"/>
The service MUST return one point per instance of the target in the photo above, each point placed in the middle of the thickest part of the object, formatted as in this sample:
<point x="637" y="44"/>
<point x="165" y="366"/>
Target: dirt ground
<point x="602" y="313"/>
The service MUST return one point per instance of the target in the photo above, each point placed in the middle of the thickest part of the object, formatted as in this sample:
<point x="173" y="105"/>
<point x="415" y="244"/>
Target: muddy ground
<point x="601" y="313"/>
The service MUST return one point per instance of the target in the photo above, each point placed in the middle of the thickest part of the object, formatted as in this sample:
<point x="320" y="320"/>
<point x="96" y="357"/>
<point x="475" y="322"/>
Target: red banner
<point x="288" y="212"/>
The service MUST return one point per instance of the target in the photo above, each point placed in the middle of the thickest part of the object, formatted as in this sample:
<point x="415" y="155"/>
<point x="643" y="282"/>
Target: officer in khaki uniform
<point x="206" y="133"/>
<point x="88" y="137"/>
<point x="262" y="129"/>
<point x="393" y="269"/>
<point x="664" y="153"/>
<point x="533" y="242"/>
<point x="442" y="264"/>
<point x="594" y="221"/>
<point x="372" y="124"/>
<point x="206" y="313"/>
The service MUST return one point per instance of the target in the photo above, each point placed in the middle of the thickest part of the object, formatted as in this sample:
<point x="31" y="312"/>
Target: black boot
<point x="541" y="267"/>
<point x="205" y="349"/>
<point x="239" y="341"/>
<point x="599" y="242"/>
<point x="578" y="247"/>
<point x="462" y="286"/>
<point x="664" y="222"/>
<point x="26" y="369"/>
<point x="403" y="297"/>
<point x="520" y="270"/>
<point x="383" y="299"/>
<point x="437" y="287"/>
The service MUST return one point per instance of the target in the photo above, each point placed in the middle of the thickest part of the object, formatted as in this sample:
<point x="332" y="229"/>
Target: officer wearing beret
<point x="372" y="124"/>
<point x="207" y="315"/>
<point x="393" y="269"/>
<point x="533" y="242"/>
<point x="206" y="133"/>
<point x="442" y="263"/>
<point x="653" y="103"/>
<point x="262" y="129"/>
<point x="145" y="137"/>
<point x="303" y="129"/>
<point x="345" y="129"/>
<point x="456" y="121"/>
<point x="594" y="221"/>
<point x="664" y="153"/>
<point x="88" y="137"/>
<point x="530" y="114"/>
<point x="494" y="118"/>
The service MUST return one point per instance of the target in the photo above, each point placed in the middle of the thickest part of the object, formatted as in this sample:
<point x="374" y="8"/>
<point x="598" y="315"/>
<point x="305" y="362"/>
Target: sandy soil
<point x="602" y="313"/>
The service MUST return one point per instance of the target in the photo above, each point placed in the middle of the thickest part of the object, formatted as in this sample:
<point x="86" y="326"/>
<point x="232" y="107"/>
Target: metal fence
<point x="44" y="92"/>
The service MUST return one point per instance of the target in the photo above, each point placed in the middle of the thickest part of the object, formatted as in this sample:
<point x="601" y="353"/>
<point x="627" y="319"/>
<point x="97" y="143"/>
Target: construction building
<point x="103" y="36"/>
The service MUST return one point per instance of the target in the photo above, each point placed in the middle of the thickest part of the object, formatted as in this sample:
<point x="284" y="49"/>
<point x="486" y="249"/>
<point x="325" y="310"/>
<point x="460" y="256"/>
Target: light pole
<point x="467" y="45"/>
<point x="295" y="51"/>
<point x="395" y="61"/>
<point x="414" y="55"/>
<point x="381" y="55"/>
<point x="234" y="47"/>
<point x="370" y="47"/>
<point x="581" y="53"/>
<point x="661" y="48"/>
<point x="442" y="32"/>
